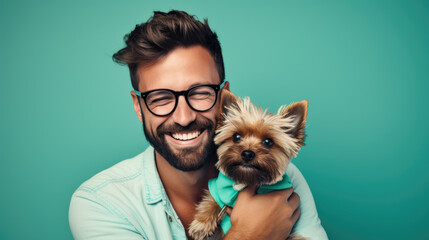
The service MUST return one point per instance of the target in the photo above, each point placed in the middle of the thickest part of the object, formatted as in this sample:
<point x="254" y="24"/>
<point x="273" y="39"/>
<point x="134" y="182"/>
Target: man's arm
<point x="90" y="219"/>
<point x="308" y="224"/>
<point x="274" y="215"/>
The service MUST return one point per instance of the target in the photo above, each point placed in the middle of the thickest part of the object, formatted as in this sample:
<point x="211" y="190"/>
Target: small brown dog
<point x="254" y="149"/>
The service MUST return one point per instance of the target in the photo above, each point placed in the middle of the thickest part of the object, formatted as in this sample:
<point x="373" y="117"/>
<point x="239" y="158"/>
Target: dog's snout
<point x="247" y="155"/>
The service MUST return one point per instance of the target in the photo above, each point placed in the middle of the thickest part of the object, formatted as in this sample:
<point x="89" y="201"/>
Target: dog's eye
<point x="236" y="137"/>
<point x="267" y="142"/>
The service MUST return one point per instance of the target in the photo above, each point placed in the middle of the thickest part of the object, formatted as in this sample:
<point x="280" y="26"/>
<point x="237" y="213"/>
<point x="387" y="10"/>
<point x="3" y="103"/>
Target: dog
<point x="254" y="148"/>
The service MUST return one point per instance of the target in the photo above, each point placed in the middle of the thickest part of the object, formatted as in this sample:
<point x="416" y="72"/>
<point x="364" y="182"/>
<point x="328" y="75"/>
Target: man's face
<point x="185" y="137"/>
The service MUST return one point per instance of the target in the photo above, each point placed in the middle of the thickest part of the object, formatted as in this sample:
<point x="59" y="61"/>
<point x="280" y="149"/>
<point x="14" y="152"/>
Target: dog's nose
<point x="247" y="155"/>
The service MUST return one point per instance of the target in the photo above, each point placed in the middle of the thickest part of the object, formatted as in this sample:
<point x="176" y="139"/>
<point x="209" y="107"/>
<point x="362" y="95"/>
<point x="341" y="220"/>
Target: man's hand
<point x="263" y="216"/>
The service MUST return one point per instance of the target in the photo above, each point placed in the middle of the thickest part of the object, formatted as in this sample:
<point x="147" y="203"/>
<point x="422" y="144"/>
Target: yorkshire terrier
<point x="254" y="149"/>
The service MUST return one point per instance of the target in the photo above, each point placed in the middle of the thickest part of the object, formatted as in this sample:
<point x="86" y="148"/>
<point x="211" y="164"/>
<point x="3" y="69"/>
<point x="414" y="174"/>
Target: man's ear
<point x="297" y="112"/>
<point x="227" y="100"/>
<point x="226" y="86"/>
<point x="136" y="105"/>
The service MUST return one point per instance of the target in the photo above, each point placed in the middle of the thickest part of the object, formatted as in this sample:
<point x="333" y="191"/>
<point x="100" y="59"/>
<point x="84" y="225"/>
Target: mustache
<point x="198" y="124"/>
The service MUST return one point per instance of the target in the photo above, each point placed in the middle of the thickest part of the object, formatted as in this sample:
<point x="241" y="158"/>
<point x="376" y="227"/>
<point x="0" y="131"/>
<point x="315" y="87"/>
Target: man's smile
<point x="186" y="139"/>
<point x="185" y="136"/>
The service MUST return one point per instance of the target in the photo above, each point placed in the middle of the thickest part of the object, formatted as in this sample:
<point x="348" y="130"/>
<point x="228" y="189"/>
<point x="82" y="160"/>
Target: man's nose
<point x="183" y="115"/>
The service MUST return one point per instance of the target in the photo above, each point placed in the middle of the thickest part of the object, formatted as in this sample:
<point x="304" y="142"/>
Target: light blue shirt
<point x="128" y="201"/>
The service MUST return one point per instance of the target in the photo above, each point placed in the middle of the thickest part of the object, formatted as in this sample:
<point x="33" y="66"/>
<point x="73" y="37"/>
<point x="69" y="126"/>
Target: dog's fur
<point x="272" y="139"/>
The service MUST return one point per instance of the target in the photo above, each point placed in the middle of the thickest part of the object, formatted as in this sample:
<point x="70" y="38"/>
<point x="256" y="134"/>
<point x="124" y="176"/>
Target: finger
<point x="288" y="192"/>
<point x="295" y="215"/>
<point x="229" y="210"/>
<point x="252" y="189"/>
<point x="248" y="191"/>
<point x="294" y="200"/>
<point x="283" y="195"/>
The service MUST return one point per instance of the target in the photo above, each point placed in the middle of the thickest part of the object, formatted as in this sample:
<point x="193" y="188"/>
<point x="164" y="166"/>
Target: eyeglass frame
<point x="177" y="94"/>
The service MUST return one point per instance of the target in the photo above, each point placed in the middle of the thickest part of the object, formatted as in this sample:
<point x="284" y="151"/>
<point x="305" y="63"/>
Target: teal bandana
<point x="223" y="190"/>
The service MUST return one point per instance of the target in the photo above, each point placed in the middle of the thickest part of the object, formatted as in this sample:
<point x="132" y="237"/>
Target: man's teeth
<point x="185" y="136"/>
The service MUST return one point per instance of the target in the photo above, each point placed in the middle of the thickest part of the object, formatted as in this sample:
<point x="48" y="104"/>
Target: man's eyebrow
<point x="205" y="82"/>
<point x="193" y="85"/>
<point x="198" y="84"/>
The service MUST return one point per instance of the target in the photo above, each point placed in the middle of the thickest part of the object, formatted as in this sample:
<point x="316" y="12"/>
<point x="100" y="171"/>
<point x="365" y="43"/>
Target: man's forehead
<point x="181" y="69"/>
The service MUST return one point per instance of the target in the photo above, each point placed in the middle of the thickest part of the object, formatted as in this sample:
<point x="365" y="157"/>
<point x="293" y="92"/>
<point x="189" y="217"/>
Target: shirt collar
<point x="153" y="185"/>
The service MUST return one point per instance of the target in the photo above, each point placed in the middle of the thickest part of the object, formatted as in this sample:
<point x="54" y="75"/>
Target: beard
<point x="187" y="159"/>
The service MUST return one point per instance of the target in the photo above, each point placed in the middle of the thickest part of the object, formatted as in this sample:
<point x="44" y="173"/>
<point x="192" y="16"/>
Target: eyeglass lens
<point x="162" y="102"/>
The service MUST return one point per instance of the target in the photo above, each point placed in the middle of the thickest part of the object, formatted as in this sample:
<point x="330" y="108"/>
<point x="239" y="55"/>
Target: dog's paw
<point x="205" y="221"/>
<point x="201" y="230"/>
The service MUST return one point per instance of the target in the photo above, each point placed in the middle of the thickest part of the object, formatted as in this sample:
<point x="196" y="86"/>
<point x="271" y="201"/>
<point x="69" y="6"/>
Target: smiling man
<point x="180" y="128"/>
<point x="177" y="70"/>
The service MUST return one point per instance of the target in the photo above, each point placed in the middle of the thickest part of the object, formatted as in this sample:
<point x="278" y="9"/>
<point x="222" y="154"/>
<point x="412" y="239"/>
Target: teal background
<point x="66" y="109"/>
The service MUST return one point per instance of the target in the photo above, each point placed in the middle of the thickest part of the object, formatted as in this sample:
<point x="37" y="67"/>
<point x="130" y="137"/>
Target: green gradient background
<point x="66" y="111"/>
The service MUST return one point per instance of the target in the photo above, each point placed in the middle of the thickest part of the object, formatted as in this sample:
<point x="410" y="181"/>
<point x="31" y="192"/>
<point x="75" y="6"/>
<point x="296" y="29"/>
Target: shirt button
<point x="169" y="218"/>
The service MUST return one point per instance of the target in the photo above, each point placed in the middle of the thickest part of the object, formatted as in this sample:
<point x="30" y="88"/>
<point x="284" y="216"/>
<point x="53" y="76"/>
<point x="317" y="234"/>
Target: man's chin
<point x="188" y="158"/>
<point x="185" y="158"/>
<point x="191" y="164"/>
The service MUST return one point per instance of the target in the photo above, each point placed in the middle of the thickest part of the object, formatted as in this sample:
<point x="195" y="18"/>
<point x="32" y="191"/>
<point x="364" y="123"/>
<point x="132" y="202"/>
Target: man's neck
<point x="184" y="189"/>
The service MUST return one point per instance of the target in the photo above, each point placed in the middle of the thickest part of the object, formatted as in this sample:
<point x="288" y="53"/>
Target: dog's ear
<point x="297" y="112"/>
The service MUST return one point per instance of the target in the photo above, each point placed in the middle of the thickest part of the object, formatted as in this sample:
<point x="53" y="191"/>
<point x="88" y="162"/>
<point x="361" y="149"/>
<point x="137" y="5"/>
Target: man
<point x="172" y="58"/>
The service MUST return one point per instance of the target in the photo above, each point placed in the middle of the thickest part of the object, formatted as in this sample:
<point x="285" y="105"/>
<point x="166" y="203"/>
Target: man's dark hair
<point x="161" y="34"/>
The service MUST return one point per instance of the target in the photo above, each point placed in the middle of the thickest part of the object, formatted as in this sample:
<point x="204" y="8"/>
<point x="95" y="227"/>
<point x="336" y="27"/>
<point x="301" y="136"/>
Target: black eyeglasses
<point x="163" y="102"/>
